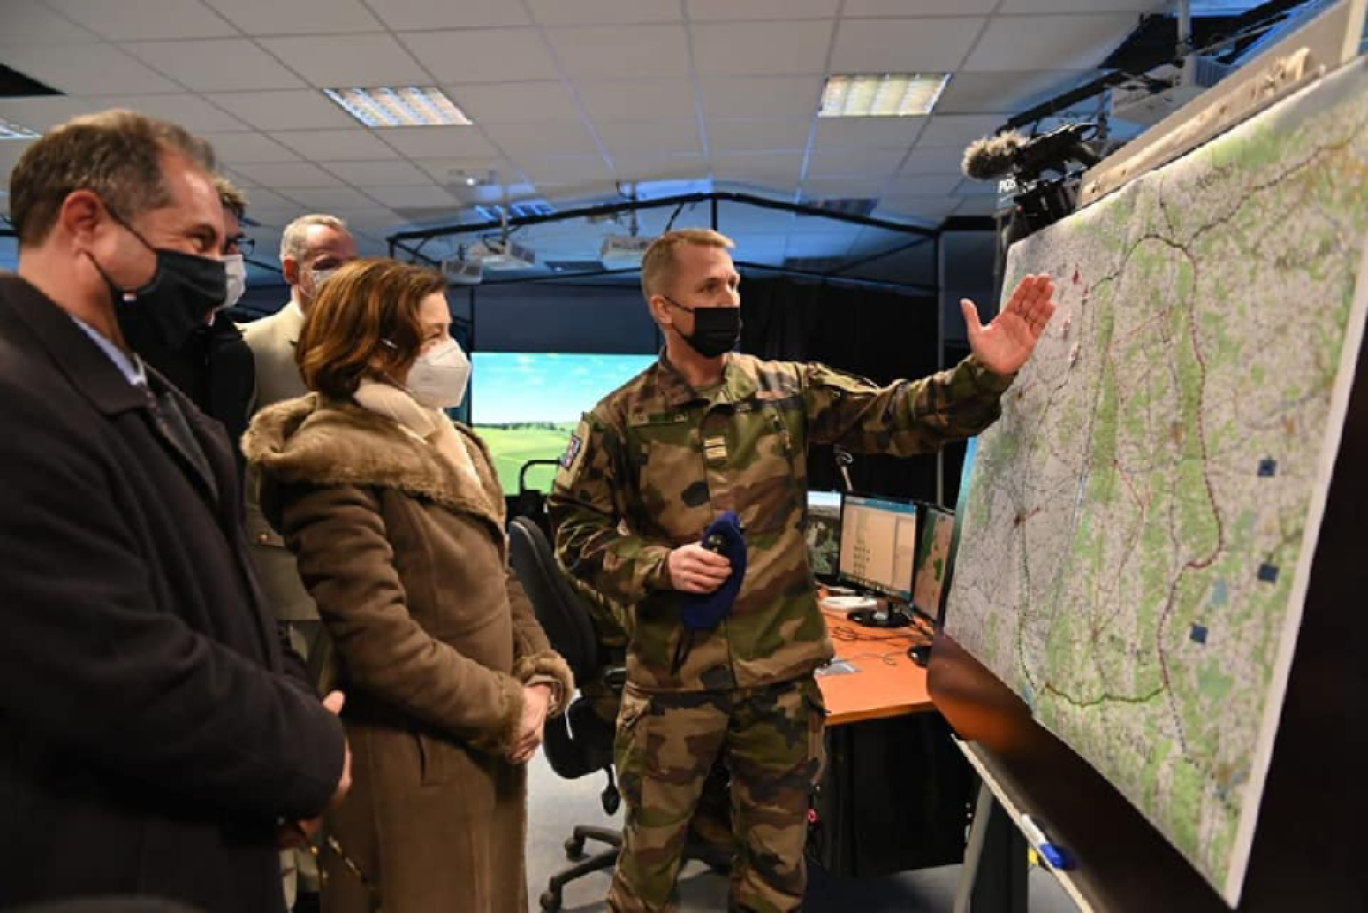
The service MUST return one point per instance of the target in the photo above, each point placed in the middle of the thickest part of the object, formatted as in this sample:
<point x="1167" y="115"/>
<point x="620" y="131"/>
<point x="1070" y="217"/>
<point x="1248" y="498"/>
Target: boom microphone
<point x="993" y="157"/>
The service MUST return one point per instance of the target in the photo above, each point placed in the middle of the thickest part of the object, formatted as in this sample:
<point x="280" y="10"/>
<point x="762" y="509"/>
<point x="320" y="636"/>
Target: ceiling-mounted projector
<point x="501" y="253"/>
<point x="463" y="272"/>
<point x="623" y="251"/>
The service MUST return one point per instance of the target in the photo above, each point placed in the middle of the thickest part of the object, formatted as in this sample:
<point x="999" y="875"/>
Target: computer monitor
<point x="935" y="558"/>
<point x="878" y="545"/>
<point x="823" y="533"/>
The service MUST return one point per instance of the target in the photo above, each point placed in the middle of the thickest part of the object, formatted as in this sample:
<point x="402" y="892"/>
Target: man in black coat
<point x="153" y="740"/>
<point x="212" y="365"/>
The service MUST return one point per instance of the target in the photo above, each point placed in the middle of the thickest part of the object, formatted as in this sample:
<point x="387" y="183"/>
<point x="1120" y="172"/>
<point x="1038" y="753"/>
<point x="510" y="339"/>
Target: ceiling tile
<point x="98" y="69"/>
<point x="878" y="162"/>
<point x="655" y="168"/>
<point x="879" y="132"/>
<point x="604" y="12"/>
<point x="421" y="15"/>
<point x="412" y="195"/>
<point x="839" y="189"/>
<point x="297" y="110"/>
<point x="923" y="185"/>
<point x="453" y="170"/>
<point x="483" y="55"/>
<point x="1087" y="6"/>
<point x="761" y="48"/>
<point x="297" y="17"/>
<point x="984" y="93"/>
<point x="732" y="10"/>
<point x="337" y="61"/>
<point x="30" y="22"/>
<point x="855" y="9"/>
<point x="240" y="148"/>
<point x="795" y="97"/>
<point x="566" y="169"/>
<point x="223" y="65"/>
<point x="271" y="217"/>
<point x="757" y="135"/>
<point x="556" y="137"/>
<point x="638" y="137"/>
<point x="264" y="199"/>
<point x="1061" y="42"/>
<point x="190" y="111"/>
<point x="637" y="98"/>
<point x="45" y="112"/>
<point x="288" y="174"/>
<point x="357" y="145"/>
<point x="496" y="103"/>
<point x="957" y="130"/>
<point x="932" y="207"/>
<point x="781" y="169"/>
<point x="940" y="160"/>
<point x="327" y="199"/>
<point x="377" y="173"/>
<point x="903" y="45"/>
<point x="439" y="142"/>
<point x="622" y="52"/>
<point x="146" y="20"/>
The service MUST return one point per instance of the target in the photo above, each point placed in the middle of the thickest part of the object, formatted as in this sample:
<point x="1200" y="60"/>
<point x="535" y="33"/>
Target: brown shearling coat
<point x="407" y="561"/>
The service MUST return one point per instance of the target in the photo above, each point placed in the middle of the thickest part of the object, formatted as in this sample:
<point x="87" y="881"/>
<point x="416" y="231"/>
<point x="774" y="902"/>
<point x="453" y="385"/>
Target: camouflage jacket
<point x="656" y="461"/>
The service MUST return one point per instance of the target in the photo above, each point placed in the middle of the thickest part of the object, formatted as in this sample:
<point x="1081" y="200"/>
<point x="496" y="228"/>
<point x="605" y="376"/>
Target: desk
<point x="888" y="683"/>
<point x="896" y="792"/>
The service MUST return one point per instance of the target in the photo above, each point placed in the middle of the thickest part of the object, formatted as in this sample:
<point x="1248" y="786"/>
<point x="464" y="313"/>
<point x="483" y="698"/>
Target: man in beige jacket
<point x="310" y="249"/>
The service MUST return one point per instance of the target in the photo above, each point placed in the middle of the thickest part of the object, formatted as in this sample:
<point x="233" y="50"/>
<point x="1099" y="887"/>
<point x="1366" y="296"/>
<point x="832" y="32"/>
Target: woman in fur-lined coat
<point x="397" y="519"/>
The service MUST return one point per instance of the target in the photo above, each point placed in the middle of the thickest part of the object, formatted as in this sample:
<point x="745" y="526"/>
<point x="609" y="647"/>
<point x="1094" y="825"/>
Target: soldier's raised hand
<point x="694" y="569"/>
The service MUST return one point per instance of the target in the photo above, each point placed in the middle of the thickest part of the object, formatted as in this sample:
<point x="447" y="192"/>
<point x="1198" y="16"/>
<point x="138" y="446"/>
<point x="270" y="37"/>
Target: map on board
<point x="1138" y="534"/>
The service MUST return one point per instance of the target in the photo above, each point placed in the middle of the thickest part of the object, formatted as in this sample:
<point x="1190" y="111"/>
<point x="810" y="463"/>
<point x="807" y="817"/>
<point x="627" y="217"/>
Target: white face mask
<point x="438" y="378"/>
<point x="236" y="268"/>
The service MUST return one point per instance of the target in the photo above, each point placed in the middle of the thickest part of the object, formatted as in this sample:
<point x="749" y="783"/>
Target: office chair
<point x="579" y="742"/>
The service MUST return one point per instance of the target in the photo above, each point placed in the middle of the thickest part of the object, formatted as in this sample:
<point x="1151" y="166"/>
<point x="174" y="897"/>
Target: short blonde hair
<point x="658" y="263"/>
<point x="292" y="241"/>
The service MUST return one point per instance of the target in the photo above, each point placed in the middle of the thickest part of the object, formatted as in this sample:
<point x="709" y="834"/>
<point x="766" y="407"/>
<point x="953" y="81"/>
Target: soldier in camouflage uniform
<point x="705" y="431"/>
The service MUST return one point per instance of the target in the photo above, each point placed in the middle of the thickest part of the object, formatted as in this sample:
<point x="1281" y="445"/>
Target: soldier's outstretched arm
<point x="586" y="510"/>
<point x="906" y="417"/>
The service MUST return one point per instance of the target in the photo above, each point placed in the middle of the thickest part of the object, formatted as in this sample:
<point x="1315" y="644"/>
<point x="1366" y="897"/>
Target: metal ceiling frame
<point x="397" y="240"/>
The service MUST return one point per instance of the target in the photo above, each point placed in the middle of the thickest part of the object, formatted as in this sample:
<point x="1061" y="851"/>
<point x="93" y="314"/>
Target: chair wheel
<point x="574" y="849"/>
<point x="550" y="901"/>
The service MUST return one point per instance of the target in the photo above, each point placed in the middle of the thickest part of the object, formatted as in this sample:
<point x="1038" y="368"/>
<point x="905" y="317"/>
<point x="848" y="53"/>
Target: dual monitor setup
<point x="895" y="555"/>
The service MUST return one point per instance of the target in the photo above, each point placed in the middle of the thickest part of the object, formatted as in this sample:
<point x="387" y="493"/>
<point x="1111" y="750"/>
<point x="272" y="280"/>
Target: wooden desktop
<point x="886" y="682"/>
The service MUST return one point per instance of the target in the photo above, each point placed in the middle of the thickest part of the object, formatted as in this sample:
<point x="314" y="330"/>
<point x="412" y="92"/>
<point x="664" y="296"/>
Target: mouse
<point x="919" y="653"/>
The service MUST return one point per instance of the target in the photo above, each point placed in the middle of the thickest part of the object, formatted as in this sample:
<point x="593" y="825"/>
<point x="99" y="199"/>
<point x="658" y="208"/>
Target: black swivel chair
<point x="578" y="743"/>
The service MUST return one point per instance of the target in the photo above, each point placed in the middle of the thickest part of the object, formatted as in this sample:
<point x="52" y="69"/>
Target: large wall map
<point x="1138" y="533"/>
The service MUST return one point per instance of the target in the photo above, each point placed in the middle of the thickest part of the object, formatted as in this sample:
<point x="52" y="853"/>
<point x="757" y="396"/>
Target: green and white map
<point x="1138" y="534"/>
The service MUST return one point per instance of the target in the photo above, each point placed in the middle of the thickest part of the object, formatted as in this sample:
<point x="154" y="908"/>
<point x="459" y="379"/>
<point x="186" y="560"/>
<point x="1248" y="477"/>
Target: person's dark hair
<point x="364" y="322"/>
<point x="115" y="154"/>
<point x="231" y="196"/>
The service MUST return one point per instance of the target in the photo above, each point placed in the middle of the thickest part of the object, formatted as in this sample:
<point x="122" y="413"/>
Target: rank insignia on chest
<point x="715" y="449"/>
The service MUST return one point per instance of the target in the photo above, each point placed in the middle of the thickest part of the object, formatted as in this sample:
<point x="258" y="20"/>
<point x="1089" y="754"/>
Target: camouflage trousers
<point x="771" y="742"/>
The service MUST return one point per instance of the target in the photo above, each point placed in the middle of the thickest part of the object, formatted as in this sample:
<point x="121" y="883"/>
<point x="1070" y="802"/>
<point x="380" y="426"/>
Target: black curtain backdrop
<point x="872" y="333"/>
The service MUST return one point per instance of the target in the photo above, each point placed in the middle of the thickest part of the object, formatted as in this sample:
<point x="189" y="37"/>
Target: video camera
<point x="1038" y="200"/>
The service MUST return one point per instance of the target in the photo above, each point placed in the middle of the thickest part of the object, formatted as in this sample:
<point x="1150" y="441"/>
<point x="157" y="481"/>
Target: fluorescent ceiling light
<point x="411" y="106"/>
<point x="882" y="94"/>
<point x="11" y="130"/>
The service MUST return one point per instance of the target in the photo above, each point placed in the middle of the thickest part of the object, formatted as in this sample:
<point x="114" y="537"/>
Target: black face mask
<point x="178" y="299"/>
<point x="716" y="330"/>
